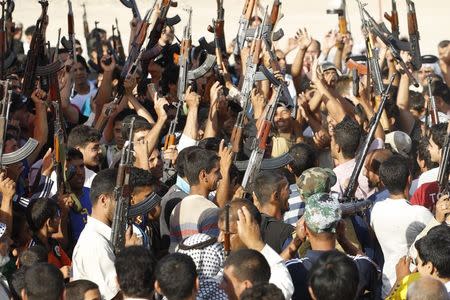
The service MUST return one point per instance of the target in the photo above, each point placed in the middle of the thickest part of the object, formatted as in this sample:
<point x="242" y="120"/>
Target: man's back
<point x="396" y="224"/>
<point x="93" y="258"/>
<point x="194" y="214"/>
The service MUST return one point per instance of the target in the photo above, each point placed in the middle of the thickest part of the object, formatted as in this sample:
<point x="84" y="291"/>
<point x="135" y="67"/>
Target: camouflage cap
<point x="316" y="180"/>
<point x="322" y="213"/>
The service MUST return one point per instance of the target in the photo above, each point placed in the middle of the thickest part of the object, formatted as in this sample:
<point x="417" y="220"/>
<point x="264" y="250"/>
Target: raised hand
<point x="104" y="63"/>
<point x="303" y="39"/>
<point x="192" y="98"/>
<point x="7" y="186"/>
<point x="248" y="230"/>
<point x="38" y="96"/>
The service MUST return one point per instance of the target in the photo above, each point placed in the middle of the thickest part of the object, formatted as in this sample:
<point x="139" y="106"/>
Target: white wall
<point x="433" y="17"/>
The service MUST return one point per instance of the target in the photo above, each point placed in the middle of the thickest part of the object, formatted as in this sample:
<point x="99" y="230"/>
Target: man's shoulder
<point x="364" y="263"/>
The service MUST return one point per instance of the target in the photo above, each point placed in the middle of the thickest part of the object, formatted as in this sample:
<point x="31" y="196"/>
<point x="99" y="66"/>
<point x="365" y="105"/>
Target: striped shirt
<point x="194" y="214"/>
<point x="296" y="206"/>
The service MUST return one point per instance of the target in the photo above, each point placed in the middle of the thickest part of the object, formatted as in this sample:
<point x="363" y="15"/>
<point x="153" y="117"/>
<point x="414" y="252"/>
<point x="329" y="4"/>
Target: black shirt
<point x="276" y="233"/>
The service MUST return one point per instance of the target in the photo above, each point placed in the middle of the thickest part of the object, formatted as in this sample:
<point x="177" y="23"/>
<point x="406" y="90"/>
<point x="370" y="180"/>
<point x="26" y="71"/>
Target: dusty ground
<point x="434" y="17"/>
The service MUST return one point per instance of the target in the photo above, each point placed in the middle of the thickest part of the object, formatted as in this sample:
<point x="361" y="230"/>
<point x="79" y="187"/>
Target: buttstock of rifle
<point x="56" y="146"/>
<point x="70" y="24"/>
<point x="248" y="9"/>
<point x="169" y="141"/>
<point x="412" y="24"/>
<point x="342" y="25"/>
<point x="275" y="12"/>
<point x="236" y="135"/>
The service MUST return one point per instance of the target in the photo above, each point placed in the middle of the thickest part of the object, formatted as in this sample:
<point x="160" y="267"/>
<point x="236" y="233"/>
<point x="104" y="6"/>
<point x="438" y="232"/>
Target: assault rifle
<point x="70" y="43"/>
<point x="433" y="112"/>
<point x="260" y="142"/>
<point x="131" y="4"/>
<point x="36" y="55"/>
<point x="389" y="40"/>
<point x="357" y="69"/>
<point x="226" y="239"/>
<point x="247" y="86"/>
<point x="393" y="19"/>
<point x="372" y="53"/>
<point x="414" y="36"/>
<point x="30" y="145"/>
<point x="5" y="62"/>
<point x="185" y="75"/>
<point x="244" y="23"/>
<point x="119" y="45"/>
<point x="342" y="19"/>
<point x="162" y="22"/>
<point x="444" y="165"/>
<point x="124" y="212"/>
<point x="219" y="35"/>
<point x="349" y="193"/>
<point x="267" y="32"/>
<point x="86" y="29"/>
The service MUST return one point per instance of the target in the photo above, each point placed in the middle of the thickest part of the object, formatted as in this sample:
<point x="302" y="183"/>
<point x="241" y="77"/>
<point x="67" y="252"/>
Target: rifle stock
<point x="393" y="19"/>
<point x="414" y="36"/>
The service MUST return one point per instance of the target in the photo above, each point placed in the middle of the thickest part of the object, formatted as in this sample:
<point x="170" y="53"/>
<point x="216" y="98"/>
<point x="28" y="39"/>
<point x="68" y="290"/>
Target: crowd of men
<point x="284" y="234"/>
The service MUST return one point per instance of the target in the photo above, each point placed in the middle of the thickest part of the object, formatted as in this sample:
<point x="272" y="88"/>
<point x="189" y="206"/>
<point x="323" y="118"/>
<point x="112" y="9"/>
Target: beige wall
<point x="434" y="17"/>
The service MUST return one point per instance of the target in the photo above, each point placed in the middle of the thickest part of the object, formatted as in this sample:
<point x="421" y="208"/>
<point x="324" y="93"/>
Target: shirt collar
<point x="100" y="227"/>
<point x="314" y="255"/>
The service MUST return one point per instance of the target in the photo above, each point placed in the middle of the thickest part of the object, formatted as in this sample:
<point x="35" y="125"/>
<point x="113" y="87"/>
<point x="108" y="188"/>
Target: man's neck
<point x="82" y="88"/>
<point x="272" y="212"/>
<point x="398" y="196"/>
<point x="341" y="160"/>
<point x="100" y="217"/>
<point x="43" y="236"/>
<point x="323" y="245"/>
<point x="199" y="190"/>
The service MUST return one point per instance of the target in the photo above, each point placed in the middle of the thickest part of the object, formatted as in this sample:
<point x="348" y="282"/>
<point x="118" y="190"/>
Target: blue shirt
<point x="79" y="220"/>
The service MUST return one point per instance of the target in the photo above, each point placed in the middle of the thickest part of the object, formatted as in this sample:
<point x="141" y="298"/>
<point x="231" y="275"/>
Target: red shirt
<point x="426" y="195"/>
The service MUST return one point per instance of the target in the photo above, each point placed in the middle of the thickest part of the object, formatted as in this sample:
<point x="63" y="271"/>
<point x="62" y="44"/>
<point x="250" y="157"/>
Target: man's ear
<point x="197" y="284"/>
<point x="247" y="283"/>
<point x="311" y="293"/>
<point x="23" y="294"/>
<point x="202" y="176"/>
<point x="103" y="200"/>
<point x="157" y="287"/>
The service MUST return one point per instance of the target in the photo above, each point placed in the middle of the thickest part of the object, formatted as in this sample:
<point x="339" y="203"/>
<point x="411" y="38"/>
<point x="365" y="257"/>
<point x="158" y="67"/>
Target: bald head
<point x="427" y="288"/>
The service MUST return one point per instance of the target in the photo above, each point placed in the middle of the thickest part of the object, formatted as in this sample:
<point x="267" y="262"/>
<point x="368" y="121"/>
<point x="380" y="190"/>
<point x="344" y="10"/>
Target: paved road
<point x="434" y="19"/>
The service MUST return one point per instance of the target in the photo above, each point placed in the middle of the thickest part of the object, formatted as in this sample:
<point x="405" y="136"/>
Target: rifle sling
<point x="20" y="154"/>
<point x="268" y="163"/>
<point x="144" y="207"/>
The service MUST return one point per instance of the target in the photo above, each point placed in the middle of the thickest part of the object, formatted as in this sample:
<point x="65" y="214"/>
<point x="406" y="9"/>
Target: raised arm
<point x="40" y="124"/>
<point x="212" y="123"/>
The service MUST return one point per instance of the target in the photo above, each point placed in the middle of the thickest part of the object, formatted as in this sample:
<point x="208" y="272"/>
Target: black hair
<point x="33" y="255"/>
<point x="82" y="61"/>
<point x="424" y="154"/>
<point x="181" y="160"/>
<point x="30" y="30"/>
<point x="394" y="173"/>
<point x="140" y="178"/>
<point x="140" y="124"/>
<point x="82" y="135"/>
<point x="176" y="274"/>
<point x="17" y="283"/>
<point x="434" y="248"/>
<point x="440" y="89"/>
<point x="334" y="277"/>
<point x="73" y="154"/>
<point x="417" y="101"/>
<point x="211" y="143"/>
<point x="443" y="43"/>
<point x="75" y="290"/>
<point x="124" y="113"/>
<point x="438" y="134"/>
<point x="44" y="281"/>
<point x="262" y="291"/>
<point x="266" y="183"/>
<point x="249" y="265"/>
<point x="135" y="268"/>
<point x="39" y="211"/>
<point x="237" y="204"/>
<point x="103" y="184"/>
<point x="198" y="160"/>
<point x="305" y="158"/>
<point x="347" y="134"/>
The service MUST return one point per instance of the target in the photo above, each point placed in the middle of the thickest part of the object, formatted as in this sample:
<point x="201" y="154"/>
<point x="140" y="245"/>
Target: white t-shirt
<point x="89" y="176"/>
<point x="396" y="224"/>
<point x="83" y="102"/>
<point x="428" y="176"/>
